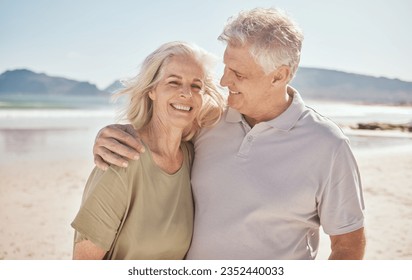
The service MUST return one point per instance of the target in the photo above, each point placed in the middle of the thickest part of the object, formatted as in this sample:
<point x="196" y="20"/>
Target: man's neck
<point x="275" y="111"/>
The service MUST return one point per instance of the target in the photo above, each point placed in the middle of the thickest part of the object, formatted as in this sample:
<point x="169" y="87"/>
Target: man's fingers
<point x="109" y="145"/>
<point x="115" y="144"/>
<point x="100" y="163"/>
<point x="124" y="134"/>
<point x="105" y="155"/>
<point x="137" y="144"/>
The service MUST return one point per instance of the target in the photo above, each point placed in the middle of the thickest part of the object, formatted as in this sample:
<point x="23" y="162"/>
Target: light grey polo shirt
<point x="263" y="192"/>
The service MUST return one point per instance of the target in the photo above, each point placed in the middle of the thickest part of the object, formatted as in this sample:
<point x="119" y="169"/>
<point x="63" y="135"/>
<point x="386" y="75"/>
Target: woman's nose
<point x="186" y="91"/>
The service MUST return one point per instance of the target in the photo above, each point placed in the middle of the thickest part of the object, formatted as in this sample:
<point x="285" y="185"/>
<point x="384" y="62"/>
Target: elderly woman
<point x="146" y="210"/>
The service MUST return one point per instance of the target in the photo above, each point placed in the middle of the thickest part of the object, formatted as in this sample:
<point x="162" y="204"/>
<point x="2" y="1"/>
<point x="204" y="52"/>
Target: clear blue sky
<point x="100" y="41"/>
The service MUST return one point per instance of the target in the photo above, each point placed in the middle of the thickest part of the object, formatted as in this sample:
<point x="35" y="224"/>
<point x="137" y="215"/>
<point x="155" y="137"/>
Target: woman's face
<point x="177" y="98"/>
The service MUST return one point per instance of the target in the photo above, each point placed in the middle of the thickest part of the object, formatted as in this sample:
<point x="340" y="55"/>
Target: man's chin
<point x="233" y="100"/>
<point x="234" y="106"/>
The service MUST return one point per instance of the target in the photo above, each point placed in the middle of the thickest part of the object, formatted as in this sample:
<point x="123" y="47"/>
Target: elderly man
<point x="272" y="171"/>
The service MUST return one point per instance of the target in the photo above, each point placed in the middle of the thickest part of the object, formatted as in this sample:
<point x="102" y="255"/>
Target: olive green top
<point x="139" y="212"/>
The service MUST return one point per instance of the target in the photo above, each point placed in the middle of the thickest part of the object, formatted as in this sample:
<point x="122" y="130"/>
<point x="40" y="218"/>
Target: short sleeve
<point x="103" y="206"/>
<point x="341" y="204"/>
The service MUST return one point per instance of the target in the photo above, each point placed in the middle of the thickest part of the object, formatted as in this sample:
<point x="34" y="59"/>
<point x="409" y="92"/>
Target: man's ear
<point x="281" y="74"/>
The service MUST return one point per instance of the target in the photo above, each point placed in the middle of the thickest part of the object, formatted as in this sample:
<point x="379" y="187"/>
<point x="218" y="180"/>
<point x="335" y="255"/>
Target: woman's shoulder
<point x="133" y="166"/>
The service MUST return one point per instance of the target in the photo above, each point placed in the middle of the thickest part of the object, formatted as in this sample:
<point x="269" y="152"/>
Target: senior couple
<point x="199" y="180"/>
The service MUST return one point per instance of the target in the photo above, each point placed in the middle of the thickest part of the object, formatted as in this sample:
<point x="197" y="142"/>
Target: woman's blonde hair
<point x="139" y="110"/>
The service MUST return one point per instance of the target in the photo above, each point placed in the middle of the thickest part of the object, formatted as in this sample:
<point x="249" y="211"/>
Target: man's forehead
<point x="233" y="57"/>
<point x="238" y="59"/>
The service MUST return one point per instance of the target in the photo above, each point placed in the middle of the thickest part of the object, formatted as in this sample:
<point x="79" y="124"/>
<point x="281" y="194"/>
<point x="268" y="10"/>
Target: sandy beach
<point x="387" y="184"/>
<point x="40" y="195"/>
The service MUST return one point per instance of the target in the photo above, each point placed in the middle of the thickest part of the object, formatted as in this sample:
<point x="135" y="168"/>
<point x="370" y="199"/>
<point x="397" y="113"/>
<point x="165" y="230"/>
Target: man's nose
<point x="224" y="81"/>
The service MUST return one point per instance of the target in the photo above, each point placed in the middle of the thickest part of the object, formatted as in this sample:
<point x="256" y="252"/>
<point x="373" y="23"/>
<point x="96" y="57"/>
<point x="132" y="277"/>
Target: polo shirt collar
<point x="285" y="121"/>
<point x="233" y="116"/>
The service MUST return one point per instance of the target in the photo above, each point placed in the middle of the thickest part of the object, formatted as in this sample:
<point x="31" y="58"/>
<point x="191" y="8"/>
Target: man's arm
<point x="116" y="144"/>
<point x="348" y="246"/>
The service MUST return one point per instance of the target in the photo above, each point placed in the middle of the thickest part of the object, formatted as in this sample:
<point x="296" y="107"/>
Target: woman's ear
<point x="152" y="95"/>
<point x="281" y="74"/>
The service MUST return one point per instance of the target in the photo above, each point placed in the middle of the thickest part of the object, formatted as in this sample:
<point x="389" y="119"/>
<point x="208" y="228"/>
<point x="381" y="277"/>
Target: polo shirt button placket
<point x="245" y="147"/>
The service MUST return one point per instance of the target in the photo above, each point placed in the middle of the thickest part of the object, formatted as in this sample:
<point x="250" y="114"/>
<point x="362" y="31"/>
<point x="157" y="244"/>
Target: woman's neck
<point x="164" y="144"/>
<point x="161" y="140"/>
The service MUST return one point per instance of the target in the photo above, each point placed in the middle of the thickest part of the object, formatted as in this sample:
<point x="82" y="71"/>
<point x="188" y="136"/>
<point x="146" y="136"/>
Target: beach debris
<point x="384" y="126"/>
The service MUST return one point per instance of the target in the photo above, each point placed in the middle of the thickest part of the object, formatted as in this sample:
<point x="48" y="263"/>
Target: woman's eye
<point x="197" y="87"/>
<point x="174" y="83"/>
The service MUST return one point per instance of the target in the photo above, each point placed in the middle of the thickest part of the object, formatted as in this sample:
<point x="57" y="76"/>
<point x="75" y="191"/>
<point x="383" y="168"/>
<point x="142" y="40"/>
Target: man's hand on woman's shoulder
<point x="116" y="144"/>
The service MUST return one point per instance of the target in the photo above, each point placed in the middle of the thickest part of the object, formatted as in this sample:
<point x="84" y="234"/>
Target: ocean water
<point x="349" y="115"/>
<point x="345" y="113"/>
<point x="42" y="134"/>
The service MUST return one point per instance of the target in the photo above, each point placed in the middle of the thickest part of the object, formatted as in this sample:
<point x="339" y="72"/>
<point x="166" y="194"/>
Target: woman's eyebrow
<point x="180" y="77"/>
<point x="174" y="76"/>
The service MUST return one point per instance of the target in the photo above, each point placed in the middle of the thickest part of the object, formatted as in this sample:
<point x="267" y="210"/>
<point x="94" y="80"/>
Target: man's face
<point x="249" y="86"/>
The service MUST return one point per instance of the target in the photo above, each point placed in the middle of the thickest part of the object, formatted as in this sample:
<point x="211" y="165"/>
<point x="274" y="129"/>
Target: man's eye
<point x="238" y="76"/>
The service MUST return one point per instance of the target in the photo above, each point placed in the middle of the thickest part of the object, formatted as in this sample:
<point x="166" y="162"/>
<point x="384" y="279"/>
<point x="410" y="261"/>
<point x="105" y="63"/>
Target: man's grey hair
<point x="273" y="37"/>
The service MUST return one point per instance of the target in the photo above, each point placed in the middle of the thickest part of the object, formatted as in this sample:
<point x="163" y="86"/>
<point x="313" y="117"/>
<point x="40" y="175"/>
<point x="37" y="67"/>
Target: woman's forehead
<point x="183" y="66"/>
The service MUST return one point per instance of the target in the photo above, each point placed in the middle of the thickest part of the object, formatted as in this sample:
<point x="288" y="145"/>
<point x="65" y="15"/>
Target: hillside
<point x="24" y="81"/>
<point x="23" y="85"/>
<point x="23" y="88"/>
<point x="322" y="84"/>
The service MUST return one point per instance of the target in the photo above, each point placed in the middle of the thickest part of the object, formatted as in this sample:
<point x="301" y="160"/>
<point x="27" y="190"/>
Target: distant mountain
<point x="23" y="88"/>
<point x="333" y="85"/>
<point x="23" y="81"/>
<point x="313" y="83"/>
<point x="114" y="87"/>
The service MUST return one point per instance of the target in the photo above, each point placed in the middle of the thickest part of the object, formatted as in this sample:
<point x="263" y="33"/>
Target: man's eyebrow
<point x="237" y="72"/>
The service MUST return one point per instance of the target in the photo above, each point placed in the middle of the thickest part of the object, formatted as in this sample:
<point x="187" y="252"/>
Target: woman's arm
<point x="87" y="250"/>
<point x="104" y="204"/>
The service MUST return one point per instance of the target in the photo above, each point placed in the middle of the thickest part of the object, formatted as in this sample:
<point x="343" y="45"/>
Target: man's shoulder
<point x="323" y="126"/>
<point x="221" y="123"/>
